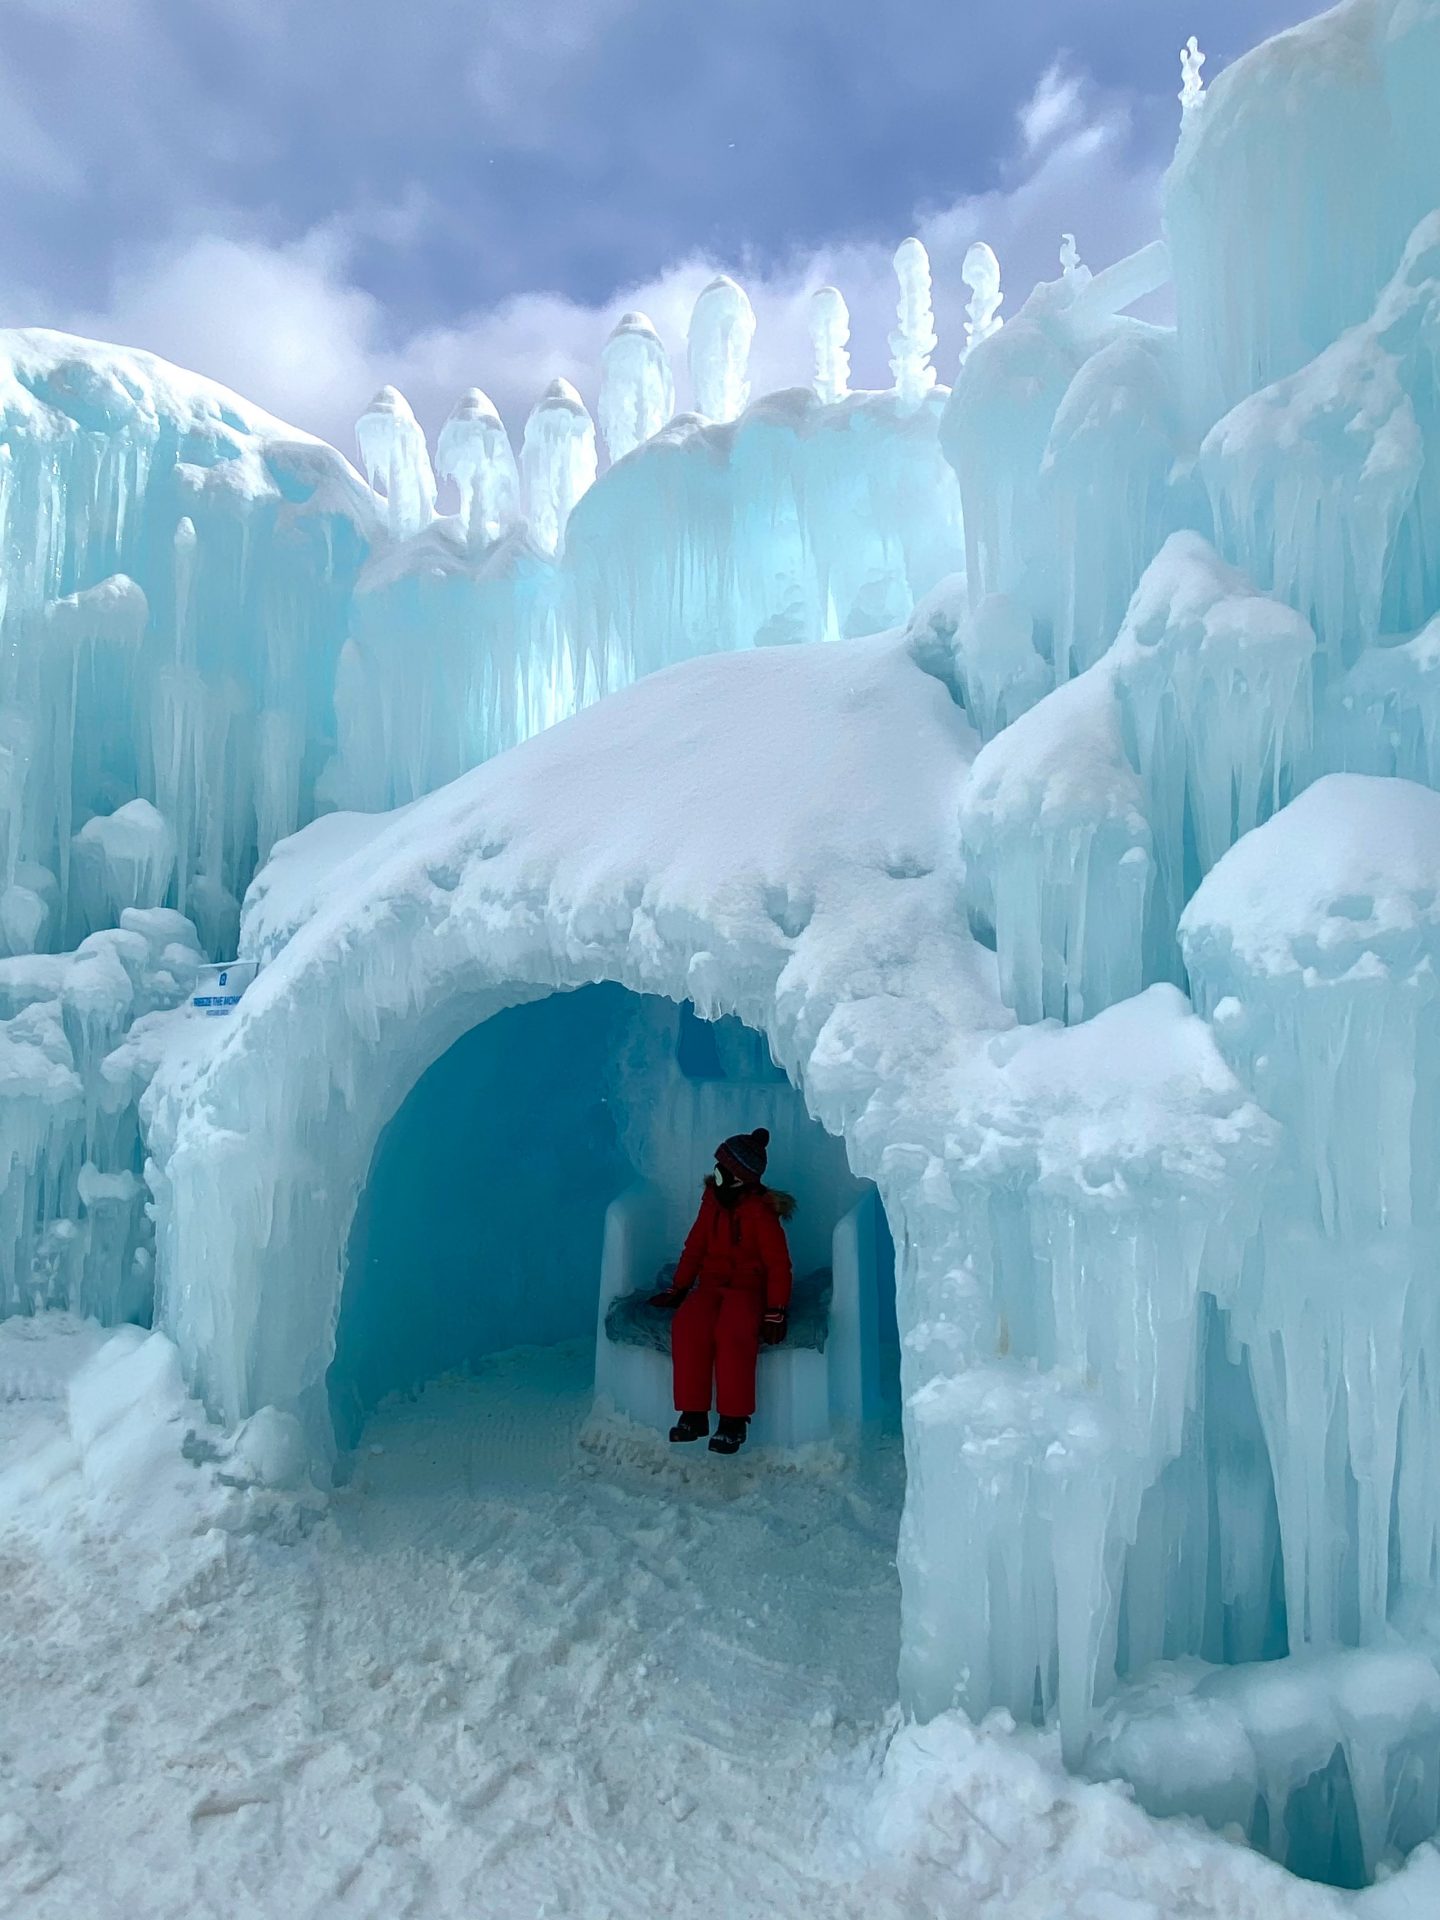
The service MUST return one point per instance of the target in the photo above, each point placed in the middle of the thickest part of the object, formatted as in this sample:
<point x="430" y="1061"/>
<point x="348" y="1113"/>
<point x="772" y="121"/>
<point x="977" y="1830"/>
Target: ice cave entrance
<point x="548" y="1164"/>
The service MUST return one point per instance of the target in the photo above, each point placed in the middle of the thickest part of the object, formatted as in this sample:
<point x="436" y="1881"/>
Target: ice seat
<point x="631" y="1321"/>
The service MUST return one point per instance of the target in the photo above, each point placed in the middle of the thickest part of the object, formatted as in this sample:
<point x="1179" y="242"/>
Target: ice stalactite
<point x="1115" y="440"/>
<point x="1384" y="716"/>
<point x="76" y="1049"/>
<point x="1192" y="84"/>
<point x="1039" y="1438"/>
<point x="92" y="646"/>
<point x="913" y="340"/>
<point x="980" y="271"/>
<point x="557" y="462"/>
<point x="1214" y="682"/>
<point x="722" y="329"/>
<point x="1314" y="949"/>
<point x="474" y="452"/>
<point x="397" y="462"/>
<point x="830" y="339"/>
<point x="637" y="387"/>
<point x="1091" y="819"/>
<point x="1059" y="853"/>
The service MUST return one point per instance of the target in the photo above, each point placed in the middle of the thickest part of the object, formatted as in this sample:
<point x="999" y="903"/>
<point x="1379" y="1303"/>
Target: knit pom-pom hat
<point x="743" y="1154"/>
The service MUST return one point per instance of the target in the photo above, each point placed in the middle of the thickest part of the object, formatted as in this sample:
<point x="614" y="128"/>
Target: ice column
<point x="981" y="273"/>
<point x="557" y="462"/>
<point x="722" y="329"/>
<point x="397" y="461"/>
<point x="913" y="341"/>
<point x="637" y="388"/>
<point x="830" y="337"/>
<point x="475" y="453"/>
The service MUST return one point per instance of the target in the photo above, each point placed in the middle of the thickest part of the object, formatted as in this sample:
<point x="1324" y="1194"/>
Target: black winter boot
<point x="729" y="1434"/>
<point x="691" y="1426"/>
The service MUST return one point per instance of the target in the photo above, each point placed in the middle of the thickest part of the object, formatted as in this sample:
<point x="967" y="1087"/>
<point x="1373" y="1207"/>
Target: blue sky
<point x="305" y="197"/>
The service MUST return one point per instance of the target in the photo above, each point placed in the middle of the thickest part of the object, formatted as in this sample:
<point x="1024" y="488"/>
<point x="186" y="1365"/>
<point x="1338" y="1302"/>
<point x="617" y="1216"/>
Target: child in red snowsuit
<point x="732" y="1290"/>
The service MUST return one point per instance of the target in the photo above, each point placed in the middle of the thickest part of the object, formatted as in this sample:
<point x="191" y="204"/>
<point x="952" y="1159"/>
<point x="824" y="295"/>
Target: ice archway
<point x="787" y="857"/>
<point x="771" y="835"/>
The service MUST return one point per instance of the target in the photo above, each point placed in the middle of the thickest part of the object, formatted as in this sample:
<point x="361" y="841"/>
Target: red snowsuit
<point x="736" y="1264"/>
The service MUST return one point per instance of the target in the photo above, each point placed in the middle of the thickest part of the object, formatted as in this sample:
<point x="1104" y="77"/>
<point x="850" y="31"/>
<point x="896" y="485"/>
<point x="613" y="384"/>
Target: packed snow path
<point x="505" y="1672"/>
<point x="506" y="1675"/>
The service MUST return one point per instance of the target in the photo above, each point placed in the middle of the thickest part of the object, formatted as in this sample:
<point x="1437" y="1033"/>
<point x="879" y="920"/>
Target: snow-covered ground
<point x="513" y="1668"/>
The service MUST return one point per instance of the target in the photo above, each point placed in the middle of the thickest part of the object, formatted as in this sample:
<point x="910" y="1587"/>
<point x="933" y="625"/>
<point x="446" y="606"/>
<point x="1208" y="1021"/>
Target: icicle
<point x="913" y="341"/>
<point x="722" y="329"/>
<point x="557" y="462"/>
<point x="637" y="388"/>
<point x="981" y="273"/>
<point x="475" y="452"/>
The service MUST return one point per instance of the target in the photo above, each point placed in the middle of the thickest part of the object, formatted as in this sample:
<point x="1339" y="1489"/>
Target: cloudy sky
<point x="306" y="198"/>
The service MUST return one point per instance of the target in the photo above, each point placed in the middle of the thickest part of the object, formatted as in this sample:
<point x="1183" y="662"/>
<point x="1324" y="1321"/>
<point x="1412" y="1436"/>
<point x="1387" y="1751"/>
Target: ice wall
<point x="174" y="569"/>
<point x="210" y="615"/>
<point x="1281" y="243"/>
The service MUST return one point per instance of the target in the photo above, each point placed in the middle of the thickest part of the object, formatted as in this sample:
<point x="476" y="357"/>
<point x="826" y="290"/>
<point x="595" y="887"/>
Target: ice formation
<point x="981" y="273"/>
<point x="474" y="451"/>
<point x="637" y="388"/>
<point x="1084" y="885"/>
<point x="1192" y="85"/>
<point x="397" y="461"/>
<point x="722" y="328"/>
<point x="913" y="341"/>
<point x="830" y="333"/>
<point x="557" y="462"/>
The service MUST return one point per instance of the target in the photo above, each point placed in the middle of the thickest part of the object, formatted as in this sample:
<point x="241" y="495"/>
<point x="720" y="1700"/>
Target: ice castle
<point x="1081" y="880"/>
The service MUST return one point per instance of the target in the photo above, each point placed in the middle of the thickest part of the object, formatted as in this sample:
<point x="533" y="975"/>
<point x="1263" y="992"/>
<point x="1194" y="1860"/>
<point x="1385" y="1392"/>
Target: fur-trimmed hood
<point x="781" y="1204"/>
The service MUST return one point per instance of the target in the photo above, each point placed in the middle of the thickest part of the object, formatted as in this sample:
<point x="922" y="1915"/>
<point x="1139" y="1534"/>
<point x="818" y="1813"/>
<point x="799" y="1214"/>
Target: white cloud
<point x="1054" y="107"/>
<point x="288" y="326"/>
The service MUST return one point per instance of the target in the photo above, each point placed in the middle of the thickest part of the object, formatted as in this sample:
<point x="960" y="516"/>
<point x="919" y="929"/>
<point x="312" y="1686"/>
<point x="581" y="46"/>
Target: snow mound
<point x="1347" y="876"/>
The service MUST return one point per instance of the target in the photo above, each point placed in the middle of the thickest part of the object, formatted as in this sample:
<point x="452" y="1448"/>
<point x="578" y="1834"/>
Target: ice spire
<point x="557" y="462"/>
<point x="397" y="461"/>
<point x="830" y="336"/>
<point x="913" y="341"/>
<point x="981" y="273"/>
<point x="1073" y="267"/>
<point x="637" y="388"/>
<point x="721" y="330"/>
<point x="1192" y="86"/>
<point x="475" y="453"/>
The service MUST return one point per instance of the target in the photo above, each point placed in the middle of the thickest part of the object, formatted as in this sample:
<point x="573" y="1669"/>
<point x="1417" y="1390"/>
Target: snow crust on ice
<point x="1347" y="877"/>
